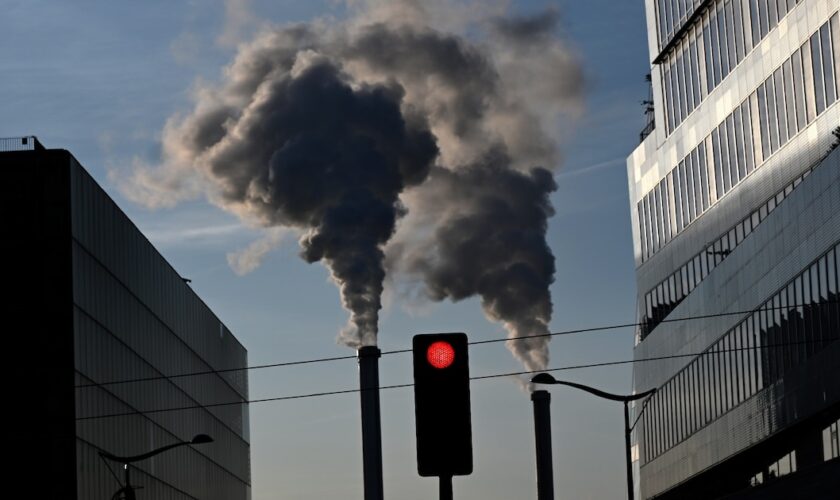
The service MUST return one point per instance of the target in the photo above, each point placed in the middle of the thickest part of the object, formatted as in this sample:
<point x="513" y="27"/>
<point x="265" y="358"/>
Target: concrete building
<point x="91" y="302"/>
<point x="735" y="203"/>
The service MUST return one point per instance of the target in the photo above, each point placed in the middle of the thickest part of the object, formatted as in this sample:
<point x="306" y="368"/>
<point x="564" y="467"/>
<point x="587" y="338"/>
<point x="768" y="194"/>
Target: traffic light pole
<point x="445" y="487"/>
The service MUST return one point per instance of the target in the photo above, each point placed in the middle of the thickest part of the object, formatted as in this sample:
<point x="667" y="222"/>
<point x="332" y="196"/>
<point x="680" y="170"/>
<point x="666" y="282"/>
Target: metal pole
<point x="627" y="450"/>
<point x="542" y="435"/>
<point x="371" y="425"/>
<point x="445" y="488"/>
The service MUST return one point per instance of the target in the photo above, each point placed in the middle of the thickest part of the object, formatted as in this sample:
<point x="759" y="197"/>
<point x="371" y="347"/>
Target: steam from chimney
<point x="393" y="145"/>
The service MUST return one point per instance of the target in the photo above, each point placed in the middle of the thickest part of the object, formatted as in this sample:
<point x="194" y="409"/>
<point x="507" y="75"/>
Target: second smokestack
<point x="371" y="424"/>
<point x="542" y="433"/>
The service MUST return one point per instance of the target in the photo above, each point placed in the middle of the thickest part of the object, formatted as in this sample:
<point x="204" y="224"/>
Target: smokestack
<point x="371" y="425"/>
<point x="542" y="433"/>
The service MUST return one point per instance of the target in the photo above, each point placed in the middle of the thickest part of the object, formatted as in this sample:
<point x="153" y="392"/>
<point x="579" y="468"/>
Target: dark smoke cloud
<point x="397" y="148"/>
<point x="490" y="241"/>
<point x="528" y="29"/>
<point x="312" y="152"/>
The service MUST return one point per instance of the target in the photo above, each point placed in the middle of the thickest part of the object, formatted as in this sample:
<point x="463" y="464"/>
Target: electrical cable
<point x="402" y="351"/>
<point x="481" y="377"/>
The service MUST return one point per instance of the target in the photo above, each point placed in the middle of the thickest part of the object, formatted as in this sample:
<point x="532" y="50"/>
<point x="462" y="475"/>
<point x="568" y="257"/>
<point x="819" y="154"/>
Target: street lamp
<point x="545" y="378"/>
<point x="128" y="489"/>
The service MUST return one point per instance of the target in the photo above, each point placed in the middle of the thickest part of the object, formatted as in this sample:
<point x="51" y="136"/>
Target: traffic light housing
<point x="442" y="404"/>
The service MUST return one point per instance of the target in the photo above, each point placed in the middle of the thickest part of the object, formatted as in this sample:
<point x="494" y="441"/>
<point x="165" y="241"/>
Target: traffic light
<point x="442" y="404"/>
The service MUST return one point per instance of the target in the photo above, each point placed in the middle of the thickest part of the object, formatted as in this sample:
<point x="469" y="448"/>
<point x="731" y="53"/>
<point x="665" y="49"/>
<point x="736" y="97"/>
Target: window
<point x="772" y="116"/>
<point x="778" y="85"/>
<point x="739" y="144"/>
<point x="738" y="21"/>
<point x="798" y="89"/>
<point x="835" y="42"/>
<point x="808" y="76"/>
<point x="704" y="177"/>
<point x="828" y="67"/>
<point x="724" y="42"/>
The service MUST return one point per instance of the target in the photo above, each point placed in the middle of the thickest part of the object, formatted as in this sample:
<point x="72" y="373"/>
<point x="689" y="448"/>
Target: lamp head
<point x="201" y="439"/>
<point x="543" y="378"/>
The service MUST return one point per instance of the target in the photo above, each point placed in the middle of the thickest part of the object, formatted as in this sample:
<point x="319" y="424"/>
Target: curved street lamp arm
<point x="606" y="395"/>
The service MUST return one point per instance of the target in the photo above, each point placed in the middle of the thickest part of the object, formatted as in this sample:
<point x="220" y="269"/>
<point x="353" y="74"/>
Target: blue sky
<point x="101" y="78"/>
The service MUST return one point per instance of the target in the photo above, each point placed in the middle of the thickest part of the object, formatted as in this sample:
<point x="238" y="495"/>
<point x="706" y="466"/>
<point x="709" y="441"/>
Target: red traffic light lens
<point x="440" y="354"/>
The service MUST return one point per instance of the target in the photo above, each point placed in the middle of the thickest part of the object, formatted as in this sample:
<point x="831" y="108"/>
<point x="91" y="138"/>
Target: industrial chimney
<point x="542" y="433"/>
<point x="371" y="425"/>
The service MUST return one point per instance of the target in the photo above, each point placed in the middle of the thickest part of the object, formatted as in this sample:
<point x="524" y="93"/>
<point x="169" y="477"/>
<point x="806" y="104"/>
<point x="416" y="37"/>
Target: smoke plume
<point x="396" y="146"/>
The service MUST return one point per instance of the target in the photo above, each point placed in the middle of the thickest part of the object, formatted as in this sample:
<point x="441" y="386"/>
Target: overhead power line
<point x="480" y="377"/>
<point x="402" y="351"/>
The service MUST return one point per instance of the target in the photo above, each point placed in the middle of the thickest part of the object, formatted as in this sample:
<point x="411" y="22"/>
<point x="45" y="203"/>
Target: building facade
<point x="735" y="208"/>
<point x="102" y="327"/>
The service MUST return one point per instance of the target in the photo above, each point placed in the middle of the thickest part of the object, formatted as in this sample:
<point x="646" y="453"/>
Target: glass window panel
<point x="707" y="55"/>
<point x="823" y="280"/>
<point x="762" y="113"/>
<point x="678" y="216"/>
<point x="689" y="82"/>
<point x="666" y="85"/>
<point x="704" y="267"/>
<point x="704" y="177"/>
<point x="689" y="189"/>
<point x="666" y="208"/>
<point x="725" y="155"/>
<point x="807" y="334"/>
<point x="773" y="13"/>
<point x="660" y="17"/>
<point x="686" y="201"/>
<point x="696" y="182"/>
<point x="790" y="98"/>
<point x="695" y="73"/>
<point x="785" y="351"/>
<point x="754" y="24"/>
<point x="832" y="273"/>
<point x="798" y="89"/>
<point x="642" y="229"/>
<point x="648" y="229"/>
<point x="763" y="18"/>
<point x="745" y="362"/>
<point x="679" y="95"/>
<point x="730" y="34"/>
<point x="739" y="143"/>
<point x="772" y="117"/>
<point x="760" y="350"/>
<point x="688" y="104"/>
<point x="738" y="22"/>
<point x="724" y="43"/>
<point x="692" y="283"/>
<point x="715" y="48"/>
<point x="819" y="82"/>
<point x="778" y="84"/>
<point x="660" y="227"/>
<point x="749" y="337"/>
<point x="835" y="44"/>
<point x="731" y="145"/>
<point x="746" y="126"/>
<point x="726" y="357"/>
<point x="828" y="67"/>
<point x="697" y="275"/>
<point x="808" y="74"/>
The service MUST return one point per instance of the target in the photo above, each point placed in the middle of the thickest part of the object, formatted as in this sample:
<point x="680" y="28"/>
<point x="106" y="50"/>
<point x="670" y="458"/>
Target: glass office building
<point x="735" y="207"/>
<point x="101" y="328"/>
